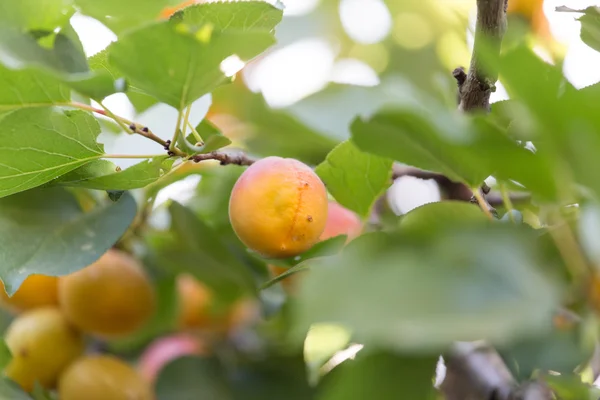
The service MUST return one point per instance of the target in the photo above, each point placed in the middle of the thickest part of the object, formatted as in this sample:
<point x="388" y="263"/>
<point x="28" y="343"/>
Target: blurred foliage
<point x="408" y="287"/>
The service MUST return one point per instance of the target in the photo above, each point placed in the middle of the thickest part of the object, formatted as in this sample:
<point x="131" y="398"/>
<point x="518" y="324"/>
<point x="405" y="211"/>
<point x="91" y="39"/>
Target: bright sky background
<point x="293" y="72"/>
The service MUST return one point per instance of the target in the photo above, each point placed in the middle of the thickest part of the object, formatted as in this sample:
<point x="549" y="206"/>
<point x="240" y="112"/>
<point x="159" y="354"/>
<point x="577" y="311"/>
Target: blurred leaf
<point x="39" y="393"/>
<point x="184" y="63"/>
<point x="40" y="144"/>
<point x="463" y="149"/>
<point x="380" y="375"/>
<point x="190" y="378"/>
<point x="120" y="16"/>
<point x="65" y="61"/>
<point x="571" y="388"/>
<point x="223" y="16"/>
<point x="212" y="138"/>
<point x="5" y="354"/>
<point x="101" y="175"/>
<point x="28" y="87"/>
<point x="445" y="215"/>
<point x="567" y="123"/>
<point x="9" y="390"/>
<point x="442" y="144"/>
<point x="354" y="178"/>
<point x="44" y="231"/>
<point x="302" y="266"/>
<point x="468" y="284"/>
<point x="277" y="376"/>
<point x="48" y="14"/>
<point x="198" y="250"/>
<point x="269" y="132"/>
<point x="327" y="247"/>
<point x="556" y="351"/>
<point x="590" y="27"/>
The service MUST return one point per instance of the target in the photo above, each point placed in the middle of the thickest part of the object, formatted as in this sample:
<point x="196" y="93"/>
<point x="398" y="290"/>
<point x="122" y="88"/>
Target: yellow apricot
<point x="278" y="207"/>
<point x="194" y="303"/>
<point x="36" y="291"/>
<point x="102" y="377"/>
<point x="111" y="297"/>
<point x="43" y="343"/>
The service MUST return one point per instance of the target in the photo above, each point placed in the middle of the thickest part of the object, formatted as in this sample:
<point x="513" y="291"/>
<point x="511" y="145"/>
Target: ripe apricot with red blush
<point x="278" y="207"/>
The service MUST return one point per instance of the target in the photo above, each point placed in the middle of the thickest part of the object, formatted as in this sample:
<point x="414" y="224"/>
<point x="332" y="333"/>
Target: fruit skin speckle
<point x="269" y="205"/>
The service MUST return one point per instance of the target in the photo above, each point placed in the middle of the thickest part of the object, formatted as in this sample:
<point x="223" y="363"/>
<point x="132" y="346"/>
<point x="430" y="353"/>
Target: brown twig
<point x="224" y="158"/>
<point x="457" y="190"/>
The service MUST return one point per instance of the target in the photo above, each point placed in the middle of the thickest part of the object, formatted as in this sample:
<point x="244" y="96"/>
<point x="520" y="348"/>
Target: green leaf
<point x="38" y="145"/>
<point x="273" y="129"/>
<point x="178" y="65"/>
<point x="44" y="231"/>
<point x="192" y="378"/>
<point x="556" y="351"/>
<point x="378" y="374"/>
<point x="442" y="143"/>
<point x="222" y="16"/>
<point x="39" y="393"/>
<point x="273" y="376"/>
<point x="65" y="61"/>
<point x="9" y="390"/>
<point x="5" y="354"/>
<point x="571" y="387"/>
<point x="433" y="217"/>
<point x="193" y="240"/>
<point x="36" y="15"/>
<point x="323" y="248"/>
<point x="590" y="27"/>
<point x="420" y="294"/>
<point x="120" y="16"/>
<point x="354" y="178"/>
<point x="103" y="175"/>
<point x="210" y="134"/>
<point x="28" y="88"/>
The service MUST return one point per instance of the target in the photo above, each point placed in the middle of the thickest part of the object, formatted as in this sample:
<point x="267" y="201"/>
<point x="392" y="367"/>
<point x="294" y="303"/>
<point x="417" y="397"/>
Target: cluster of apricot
<point x="279" y="208"/>
<point x="109" y="299"/>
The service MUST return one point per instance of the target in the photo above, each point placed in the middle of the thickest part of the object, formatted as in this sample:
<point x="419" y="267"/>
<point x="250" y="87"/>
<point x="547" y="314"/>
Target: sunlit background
<point x="357" y="43"/>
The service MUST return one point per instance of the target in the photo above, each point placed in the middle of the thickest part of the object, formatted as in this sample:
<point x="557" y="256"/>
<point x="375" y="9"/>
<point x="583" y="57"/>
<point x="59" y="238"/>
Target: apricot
<point x="102" y="377"/>
<point x="166" y="349"/>
<point x="340" y="221"/>
<point x="43" y="343"/>
<point x="111" y="297"/>
<point x="278" y="207"/>
<point x="194" y="302"/>
<point x="36" y="291"/>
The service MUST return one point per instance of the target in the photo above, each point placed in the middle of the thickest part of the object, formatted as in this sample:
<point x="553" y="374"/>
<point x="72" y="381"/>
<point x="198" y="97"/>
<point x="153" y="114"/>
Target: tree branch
<point x="479" y="83"/>
<point x="475" y="371"/>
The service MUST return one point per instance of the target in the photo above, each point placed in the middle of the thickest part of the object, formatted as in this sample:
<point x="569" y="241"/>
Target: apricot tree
<point x="258" y="251"/>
